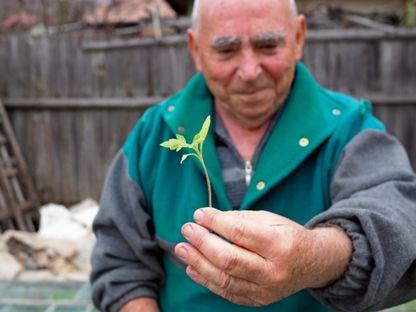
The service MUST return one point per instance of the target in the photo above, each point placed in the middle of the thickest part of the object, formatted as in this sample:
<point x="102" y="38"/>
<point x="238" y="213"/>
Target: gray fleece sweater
<point x="373" y="194"/>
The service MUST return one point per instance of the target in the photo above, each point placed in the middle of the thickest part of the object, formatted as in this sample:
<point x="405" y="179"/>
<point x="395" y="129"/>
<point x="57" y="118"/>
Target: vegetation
<point x="196" y="146"/>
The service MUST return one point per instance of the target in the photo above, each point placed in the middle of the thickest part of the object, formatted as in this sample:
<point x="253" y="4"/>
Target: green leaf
<point x="196" y="145"/>
<point x="197" y="139"/>
<point x="171" y="144"/>
<point x="205" y="127"/>
<point x="181" y="139"/>
<point x="186" y="156"/>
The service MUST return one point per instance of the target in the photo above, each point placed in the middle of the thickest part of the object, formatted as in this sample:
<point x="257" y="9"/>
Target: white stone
<point x="64" y="247"/>
<point x="78" y="276"/>
<point x="57" y="222"/>
<point x="39" y="276"/>
<point x="84" y="248"/>
<point x="30" y="240"/>
<point x="85" y="212"/>
<point x="3" y="246"/>
<point x="9" y="268"/>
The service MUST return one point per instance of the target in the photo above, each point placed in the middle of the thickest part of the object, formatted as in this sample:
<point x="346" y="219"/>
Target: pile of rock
<point x="59" y="251"/>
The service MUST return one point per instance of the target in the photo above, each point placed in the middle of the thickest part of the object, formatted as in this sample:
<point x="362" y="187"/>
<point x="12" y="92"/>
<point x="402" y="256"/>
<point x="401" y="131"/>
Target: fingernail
<point x="187" y="230"/>
<point x="191" y="271"/>
<point x="182" y="252"/>
<point x="198" y="215"/>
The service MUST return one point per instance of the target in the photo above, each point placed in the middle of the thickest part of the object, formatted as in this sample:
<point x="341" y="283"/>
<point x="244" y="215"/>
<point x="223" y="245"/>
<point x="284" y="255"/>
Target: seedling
<point x="196" y="146"/>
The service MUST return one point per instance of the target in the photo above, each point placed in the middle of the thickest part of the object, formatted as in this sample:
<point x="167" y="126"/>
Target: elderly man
<point x="315" y="204"/>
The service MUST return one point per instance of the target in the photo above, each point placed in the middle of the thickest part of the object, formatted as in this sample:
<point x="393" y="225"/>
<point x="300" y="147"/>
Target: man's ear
<point x="193" y="49"/>
<point x="300" y="36"/>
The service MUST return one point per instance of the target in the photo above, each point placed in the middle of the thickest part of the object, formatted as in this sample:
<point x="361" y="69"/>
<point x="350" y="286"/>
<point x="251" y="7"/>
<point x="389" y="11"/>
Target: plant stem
<point x="206" y="178"/>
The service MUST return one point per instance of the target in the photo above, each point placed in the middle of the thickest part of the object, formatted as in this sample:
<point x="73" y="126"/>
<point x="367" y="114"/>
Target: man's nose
<point x="249" y="68"/>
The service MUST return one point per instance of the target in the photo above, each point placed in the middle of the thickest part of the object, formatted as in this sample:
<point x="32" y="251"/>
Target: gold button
<point x="171" y="108"/>
<point x="181" y="129"/>
<point x="336" y="112"/>
<point x="304" y="142"/>
<point x="261" y="185"/>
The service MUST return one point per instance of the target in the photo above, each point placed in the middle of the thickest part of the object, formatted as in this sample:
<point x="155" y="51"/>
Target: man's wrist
<point x="143" y="304"/>
<point x="331" y="253"/>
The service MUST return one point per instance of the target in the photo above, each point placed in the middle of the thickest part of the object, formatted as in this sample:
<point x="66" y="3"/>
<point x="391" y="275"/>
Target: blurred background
<point x="76" y="75"/>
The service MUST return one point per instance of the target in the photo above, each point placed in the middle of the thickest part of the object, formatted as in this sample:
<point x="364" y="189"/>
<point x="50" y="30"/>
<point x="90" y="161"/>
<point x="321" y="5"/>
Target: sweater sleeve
<point x="373" y="193"/>
<point x="126" y="260"/>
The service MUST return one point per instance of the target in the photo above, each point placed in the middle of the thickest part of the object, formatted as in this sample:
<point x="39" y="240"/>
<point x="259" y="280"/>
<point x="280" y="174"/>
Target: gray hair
<point x="195" y="11"/>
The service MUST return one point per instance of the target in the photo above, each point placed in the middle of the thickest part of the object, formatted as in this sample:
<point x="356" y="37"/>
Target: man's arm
<point x="374" y="200"/>
<point x="359" y="255"/>
<point x="126" y="259"/>
<point x="141" y="305"/>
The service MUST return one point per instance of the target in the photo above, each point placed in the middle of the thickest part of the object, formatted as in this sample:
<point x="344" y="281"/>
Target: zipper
<point x="249" y="171"/>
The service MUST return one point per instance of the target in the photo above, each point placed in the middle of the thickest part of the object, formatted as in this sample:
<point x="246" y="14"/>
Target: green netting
<point x="41" y="297"/>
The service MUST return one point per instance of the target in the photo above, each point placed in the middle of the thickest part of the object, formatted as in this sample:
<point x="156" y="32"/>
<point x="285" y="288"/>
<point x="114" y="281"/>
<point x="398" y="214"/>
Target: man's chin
<point x="254" y="121"/>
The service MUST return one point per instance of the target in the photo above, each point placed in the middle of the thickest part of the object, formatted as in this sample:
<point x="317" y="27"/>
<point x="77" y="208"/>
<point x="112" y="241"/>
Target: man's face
<point x="247" y="51"/>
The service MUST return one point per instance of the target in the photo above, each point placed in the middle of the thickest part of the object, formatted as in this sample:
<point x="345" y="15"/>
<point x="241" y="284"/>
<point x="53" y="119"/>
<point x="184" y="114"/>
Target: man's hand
<point x="141" y="305"/>
<point x="269" y="258"/>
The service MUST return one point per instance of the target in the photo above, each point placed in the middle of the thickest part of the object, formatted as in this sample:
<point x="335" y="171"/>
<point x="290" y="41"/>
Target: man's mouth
<point x="251" y="96"/>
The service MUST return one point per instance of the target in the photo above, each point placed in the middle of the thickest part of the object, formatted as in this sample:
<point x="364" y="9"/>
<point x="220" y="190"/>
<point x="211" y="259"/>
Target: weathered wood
<point x="73" y="147"/>
<point x="357" y="61"/>
<point x="400" y="121"/>
<point x="16" y="187"/>
<point x="79" y="96"/>
<point x="359" y="35"/>
<point x="146" y="102"/>
<point x="132" y="43"/>
<point x="81" y="103"/>
<point x="3" y="68"/>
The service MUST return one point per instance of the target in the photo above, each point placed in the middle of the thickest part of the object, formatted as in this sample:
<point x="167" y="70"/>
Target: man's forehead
<point x="229" y="18"/>
<point x="216" y="8"/>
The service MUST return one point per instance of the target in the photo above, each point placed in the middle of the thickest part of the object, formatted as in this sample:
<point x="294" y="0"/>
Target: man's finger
<point x="227" y="257"/>
<point x="241" y="230"/>
<point x="261" y="216"/>
<point x="242" y="296"/>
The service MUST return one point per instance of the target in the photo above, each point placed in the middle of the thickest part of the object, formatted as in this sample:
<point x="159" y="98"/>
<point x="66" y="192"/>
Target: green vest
<point x="296" y="166"/>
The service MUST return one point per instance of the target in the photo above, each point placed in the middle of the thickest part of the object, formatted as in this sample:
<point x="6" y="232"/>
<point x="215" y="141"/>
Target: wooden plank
<point x="359" y="35"/>
<point x="367" y="22"/>
<point x="400" y="121"/>
<point x="132" y="43"/>
<point x="4" y="61"/>
<point x="146" y="102"/>
<point x="65" y="64"/>
<point x="44" y="56"/>
<point x="43" y="153"/>
<point x="98" y="72"/>
<point x="17" y="154"/>
<point x="83" y="71"/>
<point x="398" y="73"/>
<point x="137" y="80"/>
<point x="312" y="36"/>
<point x="81" y="103"/>
<point x="13" y="82"/>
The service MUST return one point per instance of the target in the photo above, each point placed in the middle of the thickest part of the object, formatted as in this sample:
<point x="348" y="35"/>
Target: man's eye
<point x="226" y="51"/>
<point x="268" y="47"/>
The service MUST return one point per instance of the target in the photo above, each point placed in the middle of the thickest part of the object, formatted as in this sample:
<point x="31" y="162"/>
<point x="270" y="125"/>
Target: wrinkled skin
<point x="247" y="51"/>
<point x="264" y="258"/>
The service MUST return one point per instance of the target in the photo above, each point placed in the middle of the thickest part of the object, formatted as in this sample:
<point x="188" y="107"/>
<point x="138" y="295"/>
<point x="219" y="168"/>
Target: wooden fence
<point x="72" y="100"/>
